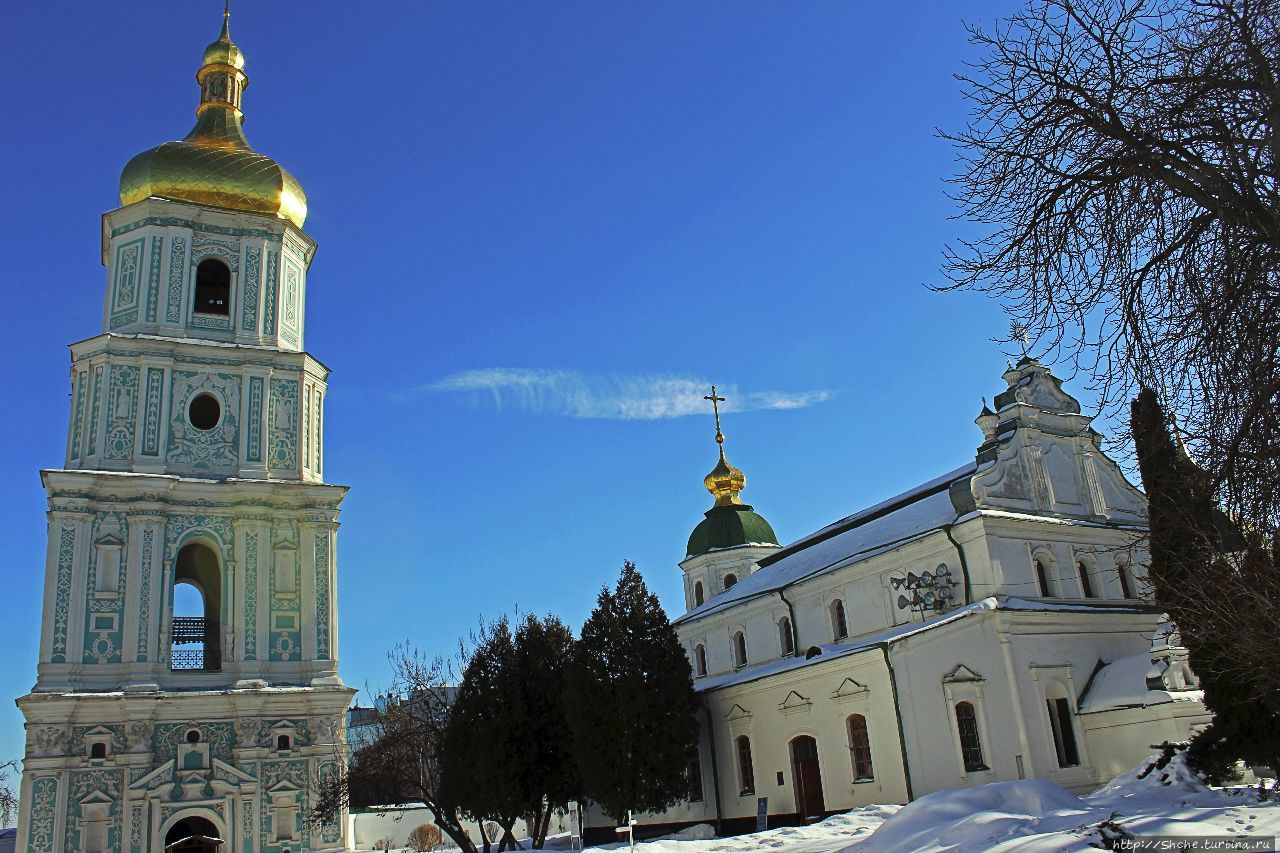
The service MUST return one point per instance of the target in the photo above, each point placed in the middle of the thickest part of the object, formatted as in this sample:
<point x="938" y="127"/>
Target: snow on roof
<point x="1123" y="684"/>
<point x="837" y="650"/>
<point x="865" y="535"/>
<point x="891" y="635"/>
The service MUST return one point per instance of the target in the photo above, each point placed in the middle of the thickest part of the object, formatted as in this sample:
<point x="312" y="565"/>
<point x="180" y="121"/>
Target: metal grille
<point x="187" y="659"/>
<point x="188" y="629"/>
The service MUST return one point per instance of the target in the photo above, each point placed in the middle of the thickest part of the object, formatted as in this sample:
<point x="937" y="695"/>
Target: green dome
<point x="728" y="526"/>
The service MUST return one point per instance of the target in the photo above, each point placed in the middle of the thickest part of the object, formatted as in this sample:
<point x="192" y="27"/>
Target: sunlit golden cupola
<point x="214" y="165"/>
<point x="729" y="522"/>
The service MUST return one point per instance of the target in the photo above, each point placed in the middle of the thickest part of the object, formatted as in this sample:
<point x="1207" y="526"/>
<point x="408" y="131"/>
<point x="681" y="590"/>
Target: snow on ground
<point x="1034" y="815"/>
<point x="1029" y="815"/>
<point x="835" y="833"/>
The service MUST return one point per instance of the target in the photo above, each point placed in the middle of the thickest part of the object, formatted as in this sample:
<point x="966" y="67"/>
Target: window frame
<point x="839" y="620"/>
<point x="1083" y="570"/>
<point x="786" y="638"/>
<point x="746" y="766"/>
<point x="738" y="643"/>
<point x="196" y="301"/>
<point x="860" y="748"/>
<point x="971" y="732"/>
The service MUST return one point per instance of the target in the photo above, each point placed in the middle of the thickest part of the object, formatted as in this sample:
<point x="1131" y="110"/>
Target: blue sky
<point x="543" y="228"/>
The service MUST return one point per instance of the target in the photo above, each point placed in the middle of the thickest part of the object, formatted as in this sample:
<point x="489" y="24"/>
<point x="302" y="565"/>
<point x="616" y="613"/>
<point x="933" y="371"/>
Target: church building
<point x="187" y="689"/>
<point x="991" y="624"/>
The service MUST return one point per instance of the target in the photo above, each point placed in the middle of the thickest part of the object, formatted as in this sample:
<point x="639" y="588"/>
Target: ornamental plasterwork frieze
<point x="170" y="221"/>
<point x="48" y="740"/>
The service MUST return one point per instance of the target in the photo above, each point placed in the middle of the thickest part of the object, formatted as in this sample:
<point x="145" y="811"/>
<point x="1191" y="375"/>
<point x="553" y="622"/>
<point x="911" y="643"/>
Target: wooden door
<point x="807" y="777"/>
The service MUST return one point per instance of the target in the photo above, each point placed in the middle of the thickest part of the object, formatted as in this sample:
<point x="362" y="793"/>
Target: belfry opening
<point x="196" y="626"/>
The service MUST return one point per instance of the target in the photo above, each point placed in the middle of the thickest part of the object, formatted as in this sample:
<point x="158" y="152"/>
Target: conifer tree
<point x="630" y="703"/>
<point x="541" y="759"/>
<point x="1216" y="579"/>
<point x="481" y="737"/>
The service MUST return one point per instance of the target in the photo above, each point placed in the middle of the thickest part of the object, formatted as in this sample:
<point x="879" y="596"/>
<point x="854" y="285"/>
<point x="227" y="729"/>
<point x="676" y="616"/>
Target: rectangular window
<point x="695" y="779"/>
<point x="970" y="742"/>
<point x="1064" y="735"/>
<point x="860" y="747"/>
<point x="746" y="773"/>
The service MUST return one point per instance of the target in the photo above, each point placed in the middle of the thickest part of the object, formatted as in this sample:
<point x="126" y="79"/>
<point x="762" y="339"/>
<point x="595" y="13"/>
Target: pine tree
<point x="630" y="702"/>
<point x="1212" y="576"/>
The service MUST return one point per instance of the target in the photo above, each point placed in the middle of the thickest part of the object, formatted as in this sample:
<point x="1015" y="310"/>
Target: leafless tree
<point x="1120" y="161"/>
<point x="401" y="762"/>
<point x="8" y="796"/>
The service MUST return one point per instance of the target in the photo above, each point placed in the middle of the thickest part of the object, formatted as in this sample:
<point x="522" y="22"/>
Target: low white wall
<point x="365" y="829"/>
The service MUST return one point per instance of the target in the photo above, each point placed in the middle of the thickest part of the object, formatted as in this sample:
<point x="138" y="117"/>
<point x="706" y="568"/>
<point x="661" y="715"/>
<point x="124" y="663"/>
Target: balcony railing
<point x="189" y="629"/>
<point x="195" y="630"/>
<point x="187" y="659"/>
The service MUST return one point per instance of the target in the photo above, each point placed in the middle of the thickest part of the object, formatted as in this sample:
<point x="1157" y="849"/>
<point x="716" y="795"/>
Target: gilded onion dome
<point x="725" y="482"/>
<point x="214" y="165"/>
<point x="730" y="522"/>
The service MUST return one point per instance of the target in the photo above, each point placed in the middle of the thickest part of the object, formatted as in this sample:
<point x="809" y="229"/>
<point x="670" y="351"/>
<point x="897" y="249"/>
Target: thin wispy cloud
<point x="611" y="397"/>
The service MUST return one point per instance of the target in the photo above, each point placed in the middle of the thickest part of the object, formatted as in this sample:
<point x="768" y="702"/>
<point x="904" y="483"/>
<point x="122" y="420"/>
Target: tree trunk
<point x="452" y="827"/>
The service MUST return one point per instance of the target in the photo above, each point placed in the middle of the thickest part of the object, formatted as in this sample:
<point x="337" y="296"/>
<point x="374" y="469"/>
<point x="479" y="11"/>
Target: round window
<point x="204" y="411"/>
<point x="193" y="736"/>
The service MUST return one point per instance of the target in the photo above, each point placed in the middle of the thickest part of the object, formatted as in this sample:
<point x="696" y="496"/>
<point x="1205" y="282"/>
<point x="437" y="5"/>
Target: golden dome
<point x="224" y="51"/>
<point x="214" y="165"/>
<point x="725" y="481"/>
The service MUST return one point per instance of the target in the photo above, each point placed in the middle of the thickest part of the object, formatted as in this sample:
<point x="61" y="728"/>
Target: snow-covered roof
<point x="872" y="531"/>
<point x="1123" y="684"/>
<point x="890" y="635"/>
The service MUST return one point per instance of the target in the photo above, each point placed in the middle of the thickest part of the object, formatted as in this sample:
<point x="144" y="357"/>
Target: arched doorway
<point x="193" y="835"/>
<point x="807" y="777"/>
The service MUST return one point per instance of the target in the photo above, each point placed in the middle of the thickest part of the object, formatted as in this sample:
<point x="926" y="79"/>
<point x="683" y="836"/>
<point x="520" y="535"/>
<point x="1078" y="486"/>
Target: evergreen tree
<point x="480" y="737"/>
<point x="505" y="753"/>
<point x="1214" y="578"/>
<point x="542" y="760"/>
<point x="630" y="702"/>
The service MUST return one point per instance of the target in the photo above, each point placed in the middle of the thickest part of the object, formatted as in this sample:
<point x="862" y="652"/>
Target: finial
<point x="725" y="481"/>
<point x="226" y="20"/>
<point x="715" y="407"/>
<point x="1018" y="332"/>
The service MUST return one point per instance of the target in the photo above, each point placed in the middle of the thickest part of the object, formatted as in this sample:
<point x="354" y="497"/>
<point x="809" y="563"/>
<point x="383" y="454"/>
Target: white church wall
<point x="1119" y="739"/>
<point x="815" y="700"/>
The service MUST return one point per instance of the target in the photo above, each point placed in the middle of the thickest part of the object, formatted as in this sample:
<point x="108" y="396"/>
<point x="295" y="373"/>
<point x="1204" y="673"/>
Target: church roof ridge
<point x="889" y="505"/>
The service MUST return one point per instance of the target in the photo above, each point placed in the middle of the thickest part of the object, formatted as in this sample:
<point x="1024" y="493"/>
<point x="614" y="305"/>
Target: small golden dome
<point x="724" y="482"/>
<point x="214" y="165"/>
<point x="224" y="52"/>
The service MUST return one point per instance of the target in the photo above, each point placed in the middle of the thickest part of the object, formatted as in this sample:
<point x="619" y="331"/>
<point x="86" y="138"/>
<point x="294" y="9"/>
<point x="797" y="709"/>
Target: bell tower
<point x="187" y="685"/>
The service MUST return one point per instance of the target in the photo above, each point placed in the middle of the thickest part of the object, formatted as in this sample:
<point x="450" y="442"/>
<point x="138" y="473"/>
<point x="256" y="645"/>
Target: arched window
<point x="786" y="641"/>
<point x="697" y="593"/>
<point x="700" y="659"/>
<point x="197" y="605"/>
<point x="1086" y="584"/>
<point x="1042" y="579"/>
<point x="970" y="742"/>
<point x="730" y="579"/>
<point x="282" y="743"/>
<point x="746" y="773"/>
<point x="860" y="749"/>
<point x="98" y="750"/>
<point x="213" y="287"/>
<point x="739" y="649"/>
<point x="839" y="625"/>
<point x="1126" y="580"/>
<point x="1061" y="725"/>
